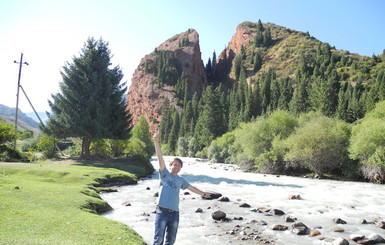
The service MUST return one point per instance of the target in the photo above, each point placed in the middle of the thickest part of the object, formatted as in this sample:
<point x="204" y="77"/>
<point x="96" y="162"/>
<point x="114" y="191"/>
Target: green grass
<point x="57" y="203"/>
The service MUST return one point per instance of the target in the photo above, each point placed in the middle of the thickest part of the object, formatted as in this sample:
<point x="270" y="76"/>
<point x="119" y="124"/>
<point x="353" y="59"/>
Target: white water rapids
<point x="321" y="202"/>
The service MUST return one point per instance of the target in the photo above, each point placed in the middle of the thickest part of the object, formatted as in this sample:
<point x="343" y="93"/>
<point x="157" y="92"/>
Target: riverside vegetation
<point x="282" y="103"/>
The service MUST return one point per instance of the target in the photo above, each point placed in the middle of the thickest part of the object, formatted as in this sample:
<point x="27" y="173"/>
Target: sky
<point x="50" y="33"/>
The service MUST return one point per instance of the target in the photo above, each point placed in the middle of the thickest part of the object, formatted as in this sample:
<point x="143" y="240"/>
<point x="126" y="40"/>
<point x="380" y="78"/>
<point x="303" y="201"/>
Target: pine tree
<point x="237" y="66"/>
<point x="90" y="104"/>
<point x="267" y="37"/>
<point x="286" y="93"/>
<point x="174" y="133"/>
<point x="208" y="68"/>
<point x="214" y="64"/>
<point x="257" y="61"/>
<point x="299" y="102"/>
<point x="260" y="26"/>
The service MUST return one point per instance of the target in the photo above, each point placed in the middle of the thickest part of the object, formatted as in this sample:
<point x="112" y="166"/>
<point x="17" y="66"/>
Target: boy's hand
<point x="206" y="195"/>
<point x="156" y="134"/>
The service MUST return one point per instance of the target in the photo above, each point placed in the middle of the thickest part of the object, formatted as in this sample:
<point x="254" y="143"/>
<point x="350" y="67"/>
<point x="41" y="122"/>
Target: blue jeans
<point x="166" y="221"/>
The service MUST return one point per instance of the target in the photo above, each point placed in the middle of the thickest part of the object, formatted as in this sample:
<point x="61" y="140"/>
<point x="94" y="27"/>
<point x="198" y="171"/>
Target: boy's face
<point x="175" y="167"/>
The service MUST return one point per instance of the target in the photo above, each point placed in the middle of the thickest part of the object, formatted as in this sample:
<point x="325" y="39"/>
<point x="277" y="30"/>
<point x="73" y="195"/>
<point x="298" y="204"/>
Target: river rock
<point x="294" y="197"/>
<point x="315" y="233"/>
<point x="356" y="237"/>
<point x="218" y="215"/>
<point x="275" y="212"/>
<point x="213" y="195"/>
<point x="381" y="224"/>
<point x="376" y="238"/>
<point x="156" y="194"/>
<point x="290" y="219"/>
<point x="245" y="205"/>
<point x="186" y="193"/>
<point x="340" y="241"/>
<point x="199" y="210"/>
<point x="365" y="241"/>
<point x="127" y="204"/>
<point x="339" y="221"/>
<point x="277" y="227"/>
<point x="337" y="229"/>
<point x="148" y="188"/>
<point x="302" y="230"/>
<point x="262" y="222"/>
<point x="299" y="224"/>
<point x="224" y="199"/>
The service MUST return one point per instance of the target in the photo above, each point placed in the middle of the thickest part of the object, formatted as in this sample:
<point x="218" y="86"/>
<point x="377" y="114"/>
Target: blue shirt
<point x="169" y="189"/>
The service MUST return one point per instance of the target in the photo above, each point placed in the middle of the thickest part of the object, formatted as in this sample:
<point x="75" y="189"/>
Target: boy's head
<point x="176" y="166"/>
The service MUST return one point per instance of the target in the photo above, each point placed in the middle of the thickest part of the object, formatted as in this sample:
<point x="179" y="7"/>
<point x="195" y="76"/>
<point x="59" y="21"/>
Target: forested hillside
<point x="270" y="70"/>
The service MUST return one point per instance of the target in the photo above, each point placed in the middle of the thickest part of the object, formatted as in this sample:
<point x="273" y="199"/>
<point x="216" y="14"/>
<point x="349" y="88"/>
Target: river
<point x="320" y="203"/>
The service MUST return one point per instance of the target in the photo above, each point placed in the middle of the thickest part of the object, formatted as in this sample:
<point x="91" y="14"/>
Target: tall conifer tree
<point x="90" y="104"/>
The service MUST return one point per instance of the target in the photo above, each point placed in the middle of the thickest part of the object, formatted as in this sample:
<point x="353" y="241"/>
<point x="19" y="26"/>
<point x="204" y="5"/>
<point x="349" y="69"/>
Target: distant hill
<point x="20" y="124"/>
<point x="9" y="113"/>
<point x="42" y="115"/>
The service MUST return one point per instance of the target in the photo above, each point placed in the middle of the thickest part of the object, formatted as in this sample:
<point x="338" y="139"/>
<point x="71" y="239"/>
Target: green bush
<point x="47" y="145"/>
<point x="30" y="144"/>
<point x="319" y="144"/>
<point x="100" y="149"/>
<point x="254" y="141"/>
<point x="9" y="154"/>
<point x="368" y="141"/>
<point x="7" y="132"/>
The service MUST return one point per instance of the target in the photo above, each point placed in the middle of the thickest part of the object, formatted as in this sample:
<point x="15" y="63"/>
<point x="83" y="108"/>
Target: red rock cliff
<point x="145" y="98"/>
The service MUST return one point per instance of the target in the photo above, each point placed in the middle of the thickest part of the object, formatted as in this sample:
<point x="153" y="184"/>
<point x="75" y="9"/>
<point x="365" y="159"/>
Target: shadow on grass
<point x="139" y="166"/>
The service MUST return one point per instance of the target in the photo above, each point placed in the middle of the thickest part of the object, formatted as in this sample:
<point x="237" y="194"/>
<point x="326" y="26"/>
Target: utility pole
<point x="17" y="95"/>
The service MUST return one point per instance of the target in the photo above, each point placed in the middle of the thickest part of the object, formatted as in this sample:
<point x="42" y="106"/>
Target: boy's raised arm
<point x="158" y="151"/>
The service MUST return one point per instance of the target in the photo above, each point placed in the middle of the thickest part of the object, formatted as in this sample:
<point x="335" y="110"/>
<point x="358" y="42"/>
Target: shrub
<point x="182" y="146"/>
<point x="100" y="149"/>
<point x="319" y="144"/>
<point x="47" y="145"/>
<point x="6" y="132"/>
<point x="368" y="141"/>
<point x="193" y="147"/>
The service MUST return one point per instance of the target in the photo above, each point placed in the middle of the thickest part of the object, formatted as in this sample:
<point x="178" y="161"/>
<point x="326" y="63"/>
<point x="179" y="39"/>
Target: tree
<point x="141" y="131"/>
<point x="90" y="104"/>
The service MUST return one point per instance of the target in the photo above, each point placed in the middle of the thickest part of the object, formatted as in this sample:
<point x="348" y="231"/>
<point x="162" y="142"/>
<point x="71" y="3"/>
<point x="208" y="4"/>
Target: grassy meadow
<point x="57" y="202"/>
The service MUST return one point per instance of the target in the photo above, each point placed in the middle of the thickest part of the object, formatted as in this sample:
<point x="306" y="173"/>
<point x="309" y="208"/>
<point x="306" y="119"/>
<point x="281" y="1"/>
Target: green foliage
<point x="167" y="68"/>
<point x="319" y="144"/>
<point x="182" y="147"/>
<point x="255" y="140"/>
<point x="47" y="145"/>
<point x="184" y="42"/>
<point x="100" y="149"/>
<point x="90" y="104"/>
<point x="7" y="132"/>
<point x="368" y="141"/>
<point x="9" y="154"/>
<point x="141" y="131"/>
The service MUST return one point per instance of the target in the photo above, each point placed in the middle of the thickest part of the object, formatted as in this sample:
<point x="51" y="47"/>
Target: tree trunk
<point x="86" y="142"/>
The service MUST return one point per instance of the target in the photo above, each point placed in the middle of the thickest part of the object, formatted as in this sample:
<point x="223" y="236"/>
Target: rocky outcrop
<point x="145" y="97"/>
<point x="225" y="59"/>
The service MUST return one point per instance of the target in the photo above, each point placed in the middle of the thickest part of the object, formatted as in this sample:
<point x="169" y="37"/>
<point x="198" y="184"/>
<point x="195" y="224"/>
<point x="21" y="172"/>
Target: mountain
<point x="9" y="113"/>
<point x="260" y="54"/>
<point x="154" y="79"/>
<point x="43" y="116"/>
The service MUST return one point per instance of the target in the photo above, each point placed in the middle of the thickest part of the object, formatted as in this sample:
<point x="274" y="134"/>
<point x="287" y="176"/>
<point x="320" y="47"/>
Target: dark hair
<point x="176" y="160"/>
